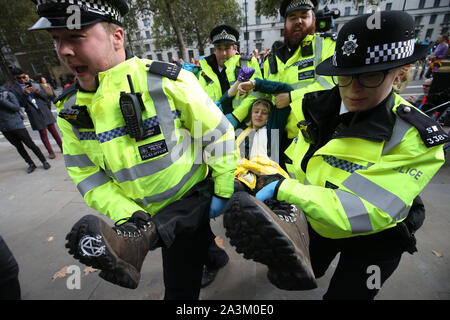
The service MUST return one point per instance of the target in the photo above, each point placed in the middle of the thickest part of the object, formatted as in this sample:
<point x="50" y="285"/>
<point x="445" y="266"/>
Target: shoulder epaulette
<point x="430" y="131"/>
<point x="331" y="35"/>
<point x="66" y="92"/>
<point x="165" y="69"/>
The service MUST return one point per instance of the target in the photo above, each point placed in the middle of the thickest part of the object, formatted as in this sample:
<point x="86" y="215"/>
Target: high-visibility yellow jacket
<point x="118" y="175"/>
<point x="298" y="70"/>
<point x="364" y="179"/>
<point x="211" y="84"/>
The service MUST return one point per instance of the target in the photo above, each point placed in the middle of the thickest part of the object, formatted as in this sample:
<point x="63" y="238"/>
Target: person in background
<point x="37" y="106"/>
<point x="12" y="127"/>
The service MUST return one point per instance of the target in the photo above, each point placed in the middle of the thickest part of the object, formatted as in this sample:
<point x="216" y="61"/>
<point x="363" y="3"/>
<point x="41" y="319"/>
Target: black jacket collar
<point x="376" y="124"/>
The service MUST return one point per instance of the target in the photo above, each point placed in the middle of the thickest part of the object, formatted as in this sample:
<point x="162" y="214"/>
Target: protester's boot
<point x="118" y="251"/>
<point x="276" y="235"/>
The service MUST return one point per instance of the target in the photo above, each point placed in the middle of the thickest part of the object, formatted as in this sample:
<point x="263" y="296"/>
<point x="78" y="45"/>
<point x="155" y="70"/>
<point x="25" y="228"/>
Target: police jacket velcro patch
<point x="165" y="69"/>
<point x="430" y="131"/>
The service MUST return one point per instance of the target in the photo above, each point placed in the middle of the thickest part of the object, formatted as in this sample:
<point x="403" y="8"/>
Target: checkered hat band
<point x="390" y="52"/>
<point x="99" y="7"/>
<point x="296" y="4"/>
<point x="224" y="36"/>
<point x="122" y="131"/>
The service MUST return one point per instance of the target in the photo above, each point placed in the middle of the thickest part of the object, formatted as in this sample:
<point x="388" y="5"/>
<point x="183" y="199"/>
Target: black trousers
<point x="9" y="274"/>
<point x="185" y="235"/>
<point x="365" y="263"/>
<point x="18" y="138"/>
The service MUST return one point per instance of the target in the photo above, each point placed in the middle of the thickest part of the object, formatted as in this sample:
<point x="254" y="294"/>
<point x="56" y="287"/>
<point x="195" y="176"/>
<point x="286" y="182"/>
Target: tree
<point x="35" y="48"/>
<point x="186" y="22"/>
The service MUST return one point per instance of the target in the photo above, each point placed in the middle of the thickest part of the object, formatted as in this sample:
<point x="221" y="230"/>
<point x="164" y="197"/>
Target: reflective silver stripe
<point x="318" y="51"/>
<point x="93" y="181"/>
<point x="169" y="193"/>
<point x="80" y="161"/>
<point x="376" y="195"/>
<point x="148" y="168"/>
<point x="324" y="83"/>
<point x="357" y="214"/>
<point x="162" y="107"/>
<point x="398" y="133"/>
<point x="216" y="133"/>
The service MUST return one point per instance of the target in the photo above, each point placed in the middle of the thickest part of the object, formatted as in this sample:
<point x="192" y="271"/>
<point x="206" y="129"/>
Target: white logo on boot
<point x="92" y="246"/>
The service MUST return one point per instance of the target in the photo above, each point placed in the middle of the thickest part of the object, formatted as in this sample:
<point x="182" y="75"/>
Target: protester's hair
<point x="266" y="103"/>
<point x="445" y="36"/>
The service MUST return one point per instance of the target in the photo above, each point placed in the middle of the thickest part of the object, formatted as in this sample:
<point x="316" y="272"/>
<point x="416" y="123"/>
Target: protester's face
<point x="358" y="98"/>
<point x="224" y="52"/>
<point x="298" y="24"/>
<point x="260" y="115"/>
<point x="21" y="78"/>
<point x="88" y="51"/>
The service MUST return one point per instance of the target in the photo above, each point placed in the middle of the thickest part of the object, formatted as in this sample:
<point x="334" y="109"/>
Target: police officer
<point x="294" y="60"/>
<point x="361" y="159"/>
<point x="221" y="69"/>
<point x="134" y="134"/>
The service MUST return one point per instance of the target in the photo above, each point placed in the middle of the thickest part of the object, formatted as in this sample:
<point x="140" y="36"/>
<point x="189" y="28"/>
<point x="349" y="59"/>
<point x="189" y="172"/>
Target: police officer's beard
<point x="293" y="40"/>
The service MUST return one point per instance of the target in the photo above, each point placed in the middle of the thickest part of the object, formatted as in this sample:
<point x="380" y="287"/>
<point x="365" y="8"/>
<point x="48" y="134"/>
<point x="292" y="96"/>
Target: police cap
<point x="56" y="14"/>
<point x="224" y="34"/>
<point x="287" y="6"/>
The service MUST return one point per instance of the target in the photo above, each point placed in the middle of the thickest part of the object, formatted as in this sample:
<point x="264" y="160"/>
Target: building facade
<point x="432" y="19"/>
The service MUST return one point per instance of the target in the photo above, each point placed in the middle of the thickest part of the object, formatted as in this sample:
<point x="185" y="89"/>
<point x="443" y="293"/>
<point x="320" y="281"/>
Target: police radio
<point x="131" y="105"/>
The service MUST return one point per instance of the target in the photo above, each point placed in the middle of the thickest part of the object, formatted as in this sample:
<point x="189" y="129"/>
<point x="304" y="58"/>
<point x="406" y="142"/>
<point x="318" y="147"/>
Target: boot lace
<point x="131" y="227"/>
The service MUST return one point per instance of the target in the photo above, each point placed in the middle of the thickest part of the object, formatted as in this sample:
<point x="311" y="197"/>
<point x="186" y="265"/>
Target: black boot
<point x="118" y="251"/>
<point x="31" y="168"/>
<point x="276" y="236"/>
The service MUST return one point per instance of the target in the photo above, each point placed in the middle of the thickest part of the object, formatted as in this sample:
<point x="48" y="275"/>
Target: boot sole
<point x="113" y="269"/>
<point x="254" y="233"/>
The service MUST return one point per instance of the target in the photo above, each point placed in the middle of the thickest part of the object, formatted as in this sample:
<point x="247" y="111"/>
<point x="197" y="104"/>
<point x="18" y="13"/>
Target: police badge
<point x="350" y="45"/>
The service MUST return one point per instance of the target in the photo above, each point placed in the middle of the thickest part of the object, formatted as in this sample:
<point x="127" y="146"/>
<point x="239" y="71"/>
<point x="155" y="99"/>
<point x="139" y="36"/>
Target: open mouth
<point x="80" y="70"/>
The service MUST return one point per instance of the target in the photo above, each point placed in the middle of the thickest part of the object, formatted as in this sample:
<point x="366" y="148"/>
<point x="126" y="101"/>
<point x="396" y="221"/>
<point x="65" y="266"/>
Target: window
<point x="258" y="34"/>
<point x="258" y="19"/>
<point x="211" y="50"/>
<point x="259" y="46"/>
<point x="245" y="35"/>
<point x="361" y="10"/>
<point x="149" y="56"/>
<point x="421" y="4"/>
<point x="145" y="21"/>
<point x="347" y="11"/>
<point x="138" y="36"/>
<point x="437" y="3"/>
<point x="418" y="20"/>
<point x="432" y="19"/>
<point x="190" y="54"/>
<point x="446" y="19"/>
<point x="281" y="32"/>
<point x="147" y="34"/>
<point x="429" y="34"/>
<point x="147" y="47"/>
<point x="159" y="55"/>
<point x="169" y="56"/>
<point x="389" y="6"/>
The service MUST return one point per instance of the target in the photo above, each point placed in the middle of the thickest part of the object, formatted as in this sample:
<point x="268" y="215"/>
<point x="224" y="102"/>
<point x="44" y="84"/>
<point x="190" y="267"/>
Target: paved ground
<point x="38" y="209"/>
